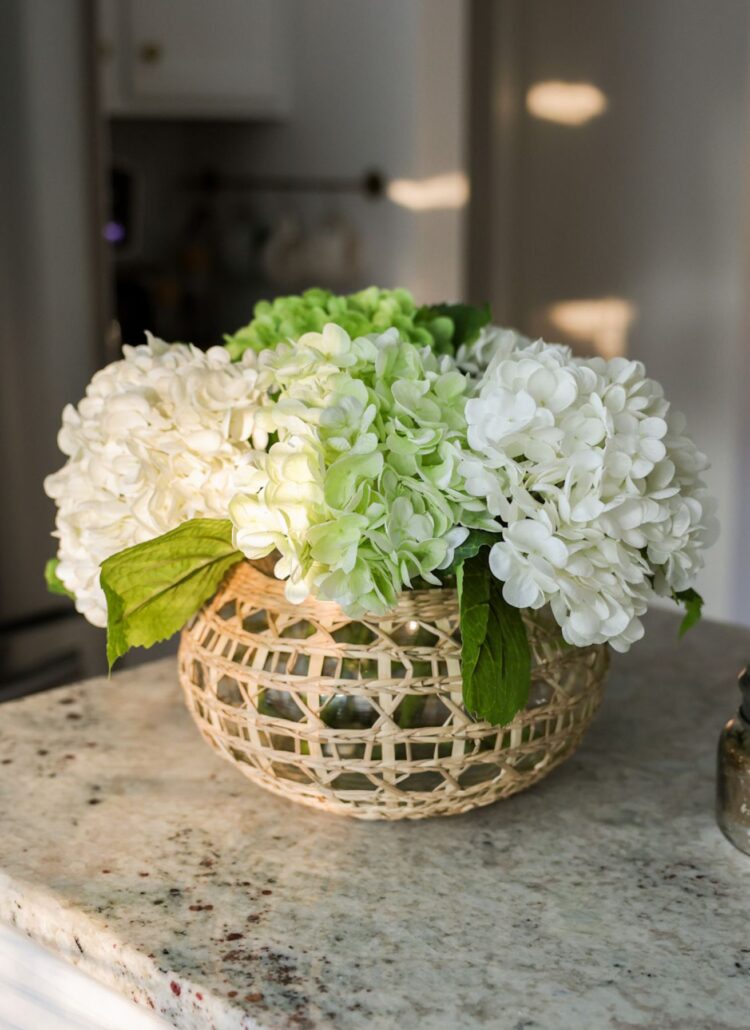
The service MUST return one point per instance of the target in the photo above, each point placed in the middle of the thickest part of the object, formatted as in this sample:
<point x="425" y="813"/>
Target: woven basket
<point x="365" y="717"/>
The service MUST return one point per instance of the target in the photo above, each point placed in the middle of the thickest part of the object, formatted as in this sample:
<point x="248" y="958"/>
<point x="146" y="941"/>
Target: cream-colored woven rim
<point x="262" y="676"/>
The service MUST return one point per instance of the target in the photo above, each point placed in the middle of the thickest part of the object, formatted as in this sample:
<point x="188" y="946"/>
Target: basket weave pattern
<point x="365" y="717"/>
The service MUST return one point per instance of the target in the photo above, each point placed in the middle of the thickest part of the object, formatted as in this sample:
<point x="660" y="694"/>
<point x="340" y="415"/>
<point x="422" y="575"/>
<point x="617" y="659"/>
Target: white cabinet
<point x="195" y="58"/>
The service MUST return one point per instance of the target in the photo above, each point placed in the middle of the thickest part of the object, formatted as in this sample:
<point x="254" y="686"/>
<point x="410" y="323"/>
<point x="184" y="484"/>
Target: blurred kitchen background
<point x="581" y="164"/>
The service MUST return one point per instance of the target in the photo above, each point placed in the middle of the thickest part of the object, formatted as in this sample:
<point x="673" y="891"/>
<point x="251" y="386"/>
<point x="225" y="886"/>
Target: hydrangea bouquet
<point x="374" y="447"/>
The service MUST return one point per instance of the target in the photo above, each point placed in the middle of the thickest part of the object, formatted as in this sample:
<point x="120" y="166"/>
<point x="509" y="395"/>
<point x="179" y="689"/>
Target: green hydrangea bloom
<point x="370" y="311"/>
<point x="360" y="491"/>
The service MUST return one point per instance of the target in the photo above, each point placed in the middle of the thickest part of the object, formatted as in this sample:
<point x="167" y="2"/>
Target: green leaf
<point x="467" y="320"/>
<point x="474" y="542"/>
<point x="153" y="589"/>
<point x="495" y="656"/>
<point x="54" y="584"/>
<point x="693" y="603"/>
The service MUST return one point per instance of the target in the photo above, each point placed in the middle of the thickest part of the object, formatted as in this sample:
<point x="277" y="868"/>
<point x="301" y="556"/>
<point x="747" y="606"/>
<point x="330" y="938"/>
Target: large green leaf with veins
<point x="495" y="655"/>
<point x="154" y="588"/>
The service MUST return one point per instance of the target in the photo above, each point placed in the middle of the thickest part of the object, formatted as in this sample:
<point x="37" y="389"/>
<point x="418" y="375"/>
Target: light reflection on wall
<point x="568" y="103"/>
<point x="447" y="191"/>
<point x="601" y="324"/>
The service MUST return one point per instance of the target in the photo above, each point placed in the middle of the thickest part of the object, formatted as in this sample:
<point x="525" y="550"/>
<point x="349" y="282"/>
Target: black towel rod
<point x="371" y="184"/>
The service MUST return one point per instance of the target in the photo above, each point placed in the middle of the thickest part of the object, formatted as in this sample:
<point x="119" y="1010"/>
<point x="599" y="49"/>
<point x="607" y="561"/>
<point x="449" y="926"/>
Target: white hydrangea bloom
<point x="598" y="488"/>
<point x="473" y="358"/>
<point x="156" y="441"/>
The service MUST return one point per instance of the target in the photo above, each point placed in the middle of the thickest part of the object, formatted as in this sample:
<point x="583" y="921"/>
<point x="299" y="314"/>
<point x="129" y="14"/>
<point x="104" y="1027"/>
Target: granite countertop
<point x="604" y="897"/>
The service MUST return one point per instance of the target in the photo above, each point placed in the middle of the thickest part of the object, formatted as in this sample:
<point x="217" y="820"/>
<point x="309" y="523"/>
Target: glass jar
<point x="733" y="780"/>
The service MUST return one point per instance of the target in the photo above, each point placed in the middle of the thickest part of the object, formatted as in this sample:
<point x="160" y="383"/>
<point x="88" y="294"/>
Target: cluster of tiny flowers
<point x="369" y="311"/>
<point x="598" y="489"/>
<point x="473" y="358"/>
<point x="365" y="460"/>
<point x="360" y="491"/>
<point x="156" y="441"/>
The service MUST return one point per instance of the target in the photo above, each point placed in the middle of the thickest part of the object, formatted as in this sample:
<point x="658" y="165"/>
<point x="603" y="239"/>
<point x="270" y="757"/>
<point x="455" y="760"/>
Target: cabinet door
<point x="209" y="57"/>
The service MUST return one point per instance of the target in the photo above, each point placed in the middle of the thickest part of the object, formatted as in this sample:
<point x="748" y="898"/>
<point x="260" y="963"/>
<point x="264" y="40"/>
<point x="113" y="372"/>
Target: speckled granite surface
<point x="605" y="897"/>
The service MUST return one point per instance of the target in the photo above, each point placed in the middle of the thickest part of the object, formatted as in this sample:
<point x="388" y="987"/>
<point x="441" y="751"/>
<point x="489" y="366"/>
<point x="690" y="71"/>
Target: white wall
<point x="647" y="203"/>
<point x="377" y="84"/>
